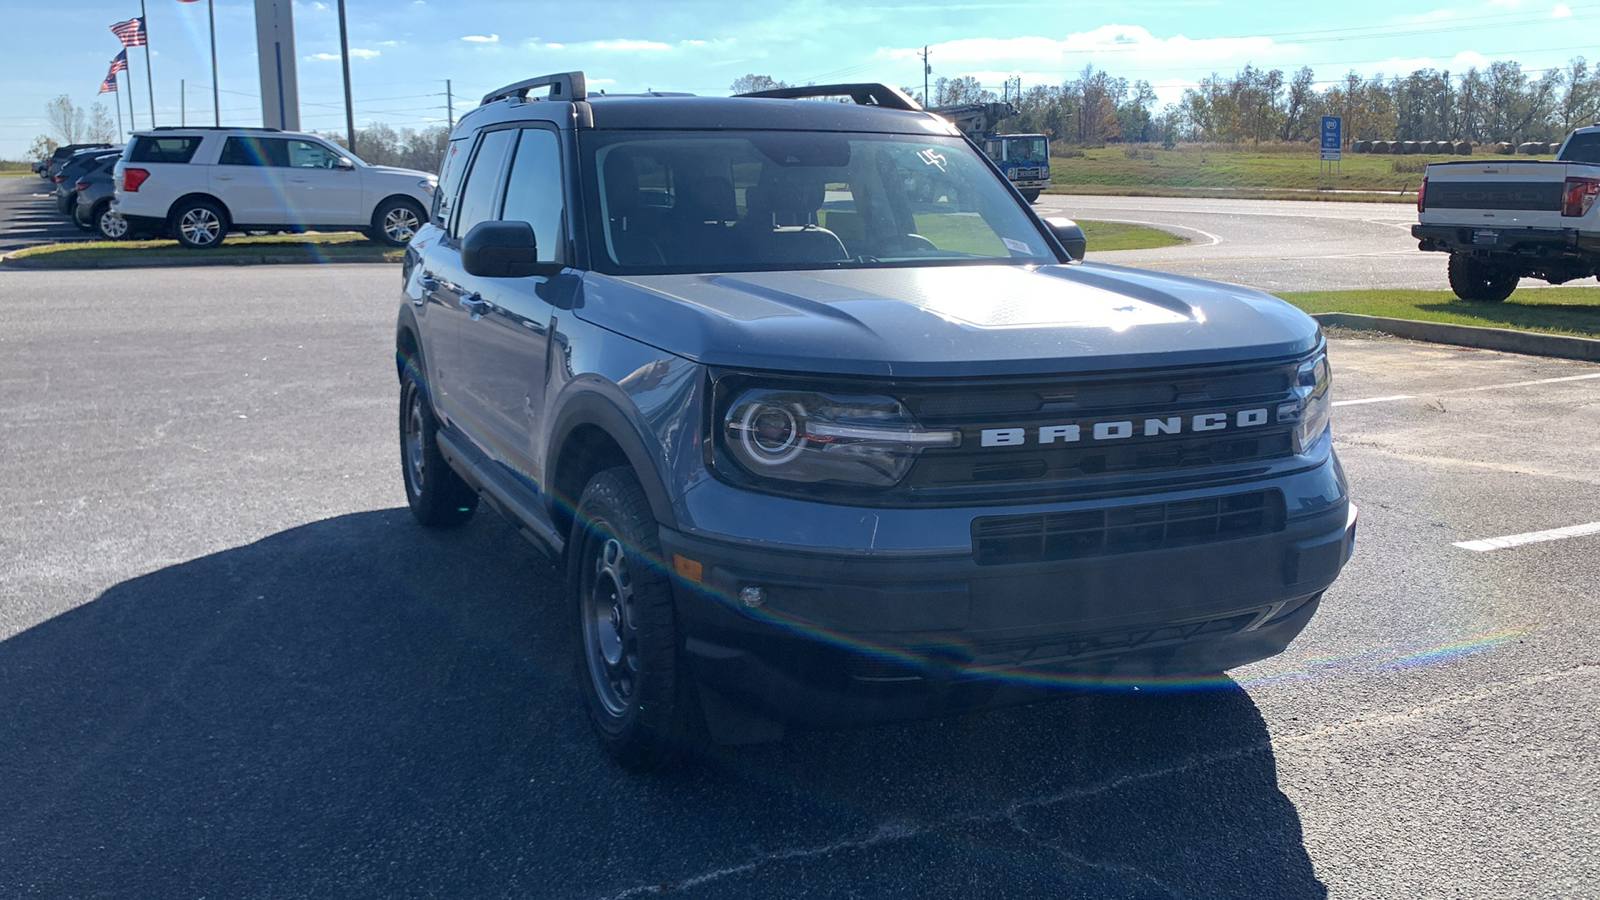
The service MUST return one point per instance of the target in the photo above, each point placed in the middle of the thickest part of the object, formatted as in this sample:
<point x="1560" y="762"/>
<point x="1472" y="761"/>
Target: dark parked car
<point x="93" y="210"/>
<point x="815" y="451"/>
<point x="73" y="169"/>
<point x="62" y="154"/>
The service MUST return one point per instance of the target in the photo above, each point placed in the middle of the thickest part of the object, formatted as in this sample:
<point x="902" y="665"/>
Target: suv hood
<point x="387" y="171"/>
<point x="949" y="321"/>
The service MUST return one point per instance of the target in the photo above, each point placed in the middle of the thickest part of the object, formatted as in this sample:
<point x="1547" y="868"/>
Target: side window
<point x="533" y="190"/>
<point x="482" y="188"/>
<point x="251" y="151"/>
<point x="310" y="155"/>
<point x="150" y="149"/>
<point x="450" y="172"/>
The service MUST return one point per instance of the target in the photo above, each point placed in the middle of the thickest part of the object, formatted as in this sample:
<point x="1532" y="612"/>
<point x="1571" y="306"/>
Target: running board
<point x="508" y="498"/>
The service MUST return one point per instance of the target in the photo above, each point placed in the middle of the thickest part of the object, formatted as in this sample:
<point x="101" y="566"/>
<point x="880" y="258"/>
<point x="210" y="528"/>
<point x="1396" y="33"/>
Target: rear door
<point x="245" y="179"/>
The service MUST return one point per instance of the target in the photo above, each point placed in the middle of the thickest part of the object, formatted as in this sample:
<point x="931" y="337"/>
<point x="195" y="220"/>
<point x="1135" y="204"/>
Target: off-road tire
<point x="1480" y="281"/>
<point x="395" y="221"/>
<point x="641" y="699"/>
<point x="436" y="494"/>
<point x="199" y="224"/>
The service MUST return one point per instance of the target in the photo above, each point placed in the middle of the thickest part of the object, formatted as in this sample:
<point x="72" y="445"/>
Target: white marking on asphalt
<point x="1373" y="400"/>
<point x="1532" y="537"/>
<point x="1495" y="387"/>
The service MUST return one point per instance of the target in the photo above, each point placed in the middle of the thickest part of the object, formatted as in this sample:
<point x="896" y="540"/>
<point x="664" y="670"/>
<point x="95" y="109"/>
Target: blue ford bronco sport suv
<point x="830" y="428"/>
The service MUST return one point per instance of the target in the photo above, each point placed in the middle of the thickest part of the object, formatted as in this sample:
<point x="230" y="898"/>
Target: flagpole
<point x="149" y="76"/>
<point x="216" y="101"/>
<point x="133" y="123"/>
<point x="118" y="105"/>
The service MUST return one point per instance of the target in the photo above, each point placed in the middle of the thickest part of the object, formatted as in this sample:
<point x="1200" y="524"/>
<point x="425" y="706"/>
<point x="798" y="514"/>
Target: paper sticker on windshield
<point x="1017" y="246"/>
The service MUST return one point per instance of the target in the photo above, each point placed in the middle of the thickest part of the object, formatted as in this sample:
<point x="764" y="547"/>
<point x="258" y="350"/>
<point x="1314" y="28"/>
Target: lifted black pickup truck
<point x="830" y="428"/>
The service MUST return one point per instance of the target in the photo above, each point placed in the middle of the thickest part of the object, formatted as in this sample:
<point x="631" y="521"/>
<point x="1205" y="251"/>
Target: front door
<point x="317" y="190"/>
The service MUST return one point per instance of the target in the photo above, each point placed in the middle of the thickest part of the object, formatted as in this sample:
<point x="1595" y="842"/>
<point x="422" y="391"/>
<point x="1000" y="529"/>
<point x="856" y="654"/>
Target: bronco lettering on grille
<point x="1117" y="430"/>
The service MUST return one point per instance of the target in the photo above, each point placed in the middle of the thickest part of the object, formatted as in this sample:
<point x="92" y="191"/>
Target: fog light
<point x="751" y="596"/>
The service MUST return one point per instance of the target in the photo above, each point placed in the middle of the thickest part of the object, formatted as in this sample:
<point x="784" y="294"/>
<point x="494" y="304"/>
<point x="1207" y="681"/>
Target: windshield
<point x="753" y="201"/>
<point x="1031" y="150"/>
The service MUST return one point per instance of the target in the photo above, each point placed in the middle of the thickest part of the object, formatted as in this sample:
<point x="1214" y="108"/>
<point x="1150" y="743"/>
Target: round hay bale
<point x="1463" y="148"/>
<point x="1360" y="146"/>
<point x="1409" y="147"/>
<point x="1382" y="146"/>
<point x="1505" y="148"/>
<point x="1529" y="148"/>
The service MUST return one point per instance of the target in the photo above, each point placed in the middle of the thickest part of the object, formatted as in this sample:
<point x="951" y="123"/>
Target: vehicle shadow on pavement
<point x="361" y="708"/>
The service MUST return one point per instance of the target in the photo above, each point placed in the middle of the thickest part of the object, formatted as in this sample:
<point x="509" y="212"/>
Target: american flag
<point x="119" y="63"/>
<point x="110" y="84"/>
<point x="130" y="33"/>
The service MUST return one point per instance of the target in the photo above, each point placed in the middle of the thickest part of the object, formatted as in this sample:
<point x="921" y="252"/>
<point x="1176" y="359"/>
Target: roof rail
<point x="562" y="85"/>
<point x="214" y="128"/>
<point x="865" y="94"/>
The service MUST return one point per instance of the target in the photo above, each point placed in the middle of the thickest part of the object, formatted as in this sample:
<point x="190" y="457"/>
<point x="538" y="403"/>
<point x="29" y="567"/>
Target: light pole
<point x="344" y="55"/>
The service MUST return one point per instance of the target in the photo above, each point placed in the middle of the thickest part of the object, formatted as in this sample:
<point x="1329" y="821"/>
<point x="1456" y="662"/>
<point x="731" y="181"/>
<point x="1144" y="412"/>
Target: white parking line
<point x="1532" y="537"/>
<point x="1495" y="387"/>
<point x="1373" y="400"/>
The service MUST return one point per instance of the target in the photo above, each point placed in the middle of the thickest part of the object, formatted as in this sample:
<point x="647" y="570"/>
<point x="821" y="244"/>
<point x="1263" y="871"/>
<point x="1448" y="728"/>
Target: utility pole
<point x="149" y="76"/>
<point x="450" y="104"/>
<point x="344" y="54"/>
<point x="216" y="91"/>
<point x="926" y="70"/>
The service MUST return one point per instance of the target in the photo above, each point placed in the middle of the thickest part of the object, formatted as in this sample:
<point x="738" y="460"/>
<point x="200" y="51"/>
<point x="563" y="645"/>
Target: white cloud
<point x="482" y="38"/>
<point x="355" y="52"/>
<point x="1561" y="12"/>
<point x="626" y="44"/>
<point x="1468" y="59"/>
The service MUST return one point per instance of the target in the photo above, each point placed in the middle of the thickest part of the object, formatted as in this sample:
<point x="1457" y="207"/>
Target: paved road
<point x="1274" y="245"/>
<point x="231" y="666"/>
<point x="28" y="214"/>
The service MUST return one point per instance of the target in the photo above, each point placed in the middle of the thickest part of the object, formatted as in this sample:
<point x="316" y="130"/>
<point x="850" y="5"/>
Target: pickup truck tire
<point x="1479" y="280"/>
<point x="436" y="494"/>
<point x="641" y="700"/>
<point x="1030" y="194"/>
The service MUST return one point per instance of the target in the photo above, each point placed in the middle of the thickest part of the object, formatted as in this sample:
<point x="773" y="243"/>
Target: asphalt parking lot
<point x="232" y="666"/>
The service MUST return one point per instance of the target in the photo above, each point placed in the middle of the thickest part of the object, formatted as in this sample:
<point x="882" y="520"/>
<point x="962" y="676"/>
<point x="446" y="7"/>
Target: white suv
<point x="197" y="184"/>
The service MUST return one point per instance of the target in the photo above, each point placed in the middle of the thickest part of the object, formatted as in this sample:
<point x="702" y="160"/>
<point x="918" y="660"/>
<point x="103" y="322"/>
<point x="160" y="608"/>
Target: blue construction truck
<point x="1024" y="158"/>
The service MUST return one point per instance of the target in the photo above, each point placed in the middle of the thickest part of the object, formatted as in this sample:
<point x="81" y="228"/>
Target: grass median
<point x="1557" y="310"/>
<point x="334" y="246"/>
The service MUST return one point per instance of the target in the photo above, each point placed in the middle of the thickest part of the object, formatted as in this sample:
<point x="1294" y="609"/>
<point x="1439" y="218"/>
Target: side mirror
<point x="345" y="163"/>
<point x="1070" y="236"/>
<point x="503" y="250"/>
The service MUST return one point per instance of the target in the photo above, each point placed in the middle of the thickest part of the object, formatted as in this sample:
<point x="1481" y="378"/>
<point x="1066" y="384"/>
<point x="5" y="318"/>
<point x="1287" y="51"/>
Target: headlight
<point x="814" y="438"/>
<point x="1314" y="389"/>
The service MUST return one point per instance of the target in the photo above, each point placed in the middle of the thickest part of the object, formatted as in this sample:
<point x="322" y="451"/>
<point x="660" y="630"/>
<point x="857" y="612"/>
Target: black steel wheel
<point x="1479" y="280"/>
<point x="199" y="224"/>
<point x="395" y="221"/>
<point x="436" y="494"/>
<point x="641" y="700"/>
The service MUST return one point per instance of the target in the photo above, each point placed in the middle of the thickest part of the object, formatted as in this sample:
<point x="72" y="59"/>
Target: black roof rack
<point x="213" y="128"/>
<point x="562" y="85"/>
<point x="865" y="94"/>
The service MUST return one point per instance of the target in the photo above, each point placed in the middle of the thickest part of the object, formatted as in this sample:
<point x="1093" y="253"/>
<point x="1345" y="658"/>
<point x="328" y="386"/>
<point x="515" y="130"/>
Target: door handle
<point x="427" y="282"/>
<point x="475" y="304"/>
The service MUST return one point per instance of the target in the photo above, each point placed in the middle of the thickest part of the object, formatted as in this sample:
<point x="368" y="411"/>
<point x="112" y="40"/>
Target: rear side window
<point x="481" y="191"/>
<point x="163" y="149"/>
<point x="253" y="151"/>
<point x="533" y="190"/>
<point x="450" y="172"/>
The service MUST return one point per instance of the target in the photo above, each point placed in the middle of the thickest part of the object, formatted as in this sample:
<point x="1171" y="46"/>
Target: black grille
<point x="1153" y="526"/>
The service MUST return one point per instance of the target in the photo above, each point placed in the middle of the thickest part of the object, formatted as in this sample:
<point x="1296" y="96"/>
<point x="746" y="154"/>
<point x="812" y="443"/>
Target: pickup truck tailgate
<point x="1502" y="194"/>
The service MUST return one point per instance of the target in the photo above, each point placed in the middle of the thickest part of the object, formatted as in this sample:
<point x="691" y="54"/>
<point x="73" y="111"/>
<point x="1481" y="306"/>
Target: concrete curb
<point x="1503" y="339"/>
<point x="135" y="262"/>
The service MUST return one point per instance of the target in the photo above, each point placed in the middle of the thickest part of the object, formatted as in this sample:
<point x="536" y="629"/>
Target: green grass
<point x="1563" y="310"/>
<point x="1104" y="236"/>
<point x="1212" y="171"/>
<point x="314" y="247"/>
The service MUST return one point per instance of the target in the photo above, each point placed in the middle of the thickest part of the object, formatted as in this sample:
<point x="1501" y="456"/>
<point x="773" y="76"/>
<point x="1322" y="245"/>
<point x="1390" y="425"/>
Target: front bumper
<point x="842" y="638"/>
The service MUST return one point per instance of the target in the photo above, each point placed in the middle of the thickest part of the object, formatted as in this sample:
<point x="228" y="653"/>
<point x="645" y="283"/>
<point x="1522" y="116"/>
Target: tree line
<point x="1500" y="102"/>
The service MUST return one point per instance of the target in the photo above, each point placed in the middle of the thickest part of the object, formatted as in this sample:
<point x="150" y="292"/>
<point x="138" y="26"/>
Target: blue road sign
<point x="1332" y="133"/>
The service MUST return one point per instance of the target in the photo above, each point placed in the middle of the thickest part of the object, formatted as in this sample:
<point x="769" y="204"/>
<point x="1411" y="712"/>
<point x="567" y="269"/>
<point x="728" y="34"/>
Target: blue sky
<point x="405" y="49"/>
